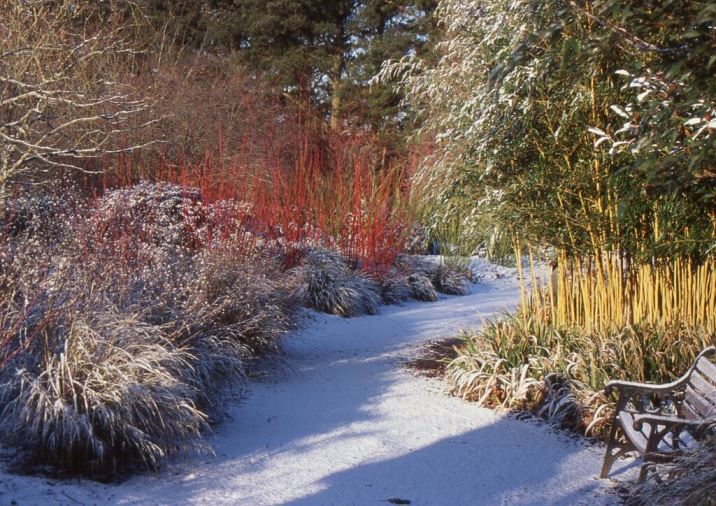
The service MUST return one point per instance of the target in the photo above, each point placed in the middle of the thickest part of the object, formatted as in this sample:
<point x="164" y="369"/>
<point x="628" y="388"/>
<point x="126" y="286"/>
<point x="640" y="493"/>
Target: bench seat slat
<point x="639" y="438"/>
<point x="688" y="411"/>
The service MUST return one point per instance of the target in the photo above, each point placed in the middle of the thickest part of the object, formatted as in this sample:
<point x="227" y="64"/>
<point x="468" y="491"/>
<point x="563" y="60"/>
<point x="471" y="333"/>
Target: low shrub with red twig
<point x="126" y="314"/>
<point x="304" y="187"/>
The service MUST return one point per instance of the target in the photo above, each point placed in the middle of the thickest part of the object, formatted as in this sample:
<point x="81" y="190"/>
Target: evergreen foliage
<point x="327" y="51"/>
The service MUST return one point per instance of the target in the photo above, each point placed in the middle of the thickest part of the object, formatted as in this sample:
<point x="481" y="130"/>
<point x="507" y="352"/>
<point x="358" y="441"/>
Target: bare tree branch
<point x="62" y="99"/>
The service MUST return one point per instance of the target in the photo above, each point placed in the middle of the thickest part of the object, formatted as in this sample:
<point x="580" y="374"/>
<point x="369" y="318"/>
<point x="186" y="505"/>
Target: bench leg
<point x="615" y="449"/>
<point x="609" y="458"/>
<point x="647" y="459"/>
<point x="652" y="446"/>
<point x="642" y="472"/>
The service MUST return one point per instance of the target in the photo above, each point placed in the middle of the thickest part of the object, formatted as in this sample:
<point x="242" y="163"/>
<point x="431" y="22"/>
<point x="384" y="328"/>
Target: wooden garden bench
<point x="659" y="420"/>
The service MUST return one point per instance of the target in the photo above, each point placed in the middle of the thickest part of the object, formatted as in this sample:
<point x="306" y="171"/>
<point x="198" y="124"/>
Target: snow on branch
<point x="62" y="96"/>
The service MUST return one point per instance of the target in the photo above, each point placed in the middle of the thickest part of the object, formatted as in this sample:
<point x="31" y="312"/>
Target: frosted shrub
<point x="395" y="287"/>
<point x="329" y="285"/>
<point x="164" y="214"/>
<point x="43" y="218"/>
<point x="451" y="280"/>
<point x="418" y="240"/>
<point x="421" y="288"/>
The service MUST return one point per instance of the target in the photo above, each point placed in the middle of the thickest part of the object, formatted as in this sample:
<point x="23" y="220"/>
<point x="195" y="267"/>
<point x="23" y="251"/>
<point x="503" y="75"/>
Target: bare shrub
<point x="137" y="246"/>
<point x="329" y="285"/>
<point x="64" y="96"/>
<point x="417" y="242"/>
<point x="200" y="96"/>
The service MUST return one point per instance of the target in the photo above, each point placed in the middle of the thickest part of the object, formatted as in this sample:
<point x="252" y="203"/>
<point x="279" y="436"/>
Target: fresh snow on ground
<point x="349" y="424"/>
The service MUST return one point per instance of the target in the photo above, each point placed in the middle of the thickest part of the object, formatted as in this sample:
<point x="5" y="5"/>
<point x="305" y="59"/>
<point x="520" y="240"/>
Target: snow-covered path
<point x="350" y="425"/>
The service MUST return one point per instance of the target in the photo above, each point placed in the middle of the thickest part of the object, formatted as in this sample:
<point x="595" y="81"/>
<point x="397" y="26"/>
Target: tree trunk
<point x="338" y="66"/>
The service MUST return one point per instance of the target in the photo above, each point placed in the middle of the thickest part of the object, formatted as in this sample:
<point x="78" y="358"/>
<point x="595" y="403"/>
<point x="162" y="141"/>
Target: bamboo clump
<point x="605" y="293"/>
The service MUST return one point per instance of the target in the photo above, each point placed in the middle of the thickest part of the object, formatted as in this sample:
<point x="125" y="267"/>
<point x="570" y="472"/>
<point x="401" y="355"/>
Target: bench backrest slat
<point x="703" y="385"/>
<point x="702" y="407"/>
<point x="688" y="411"/>
<point x="707" y="368"/>
<point x="700" y="393"/>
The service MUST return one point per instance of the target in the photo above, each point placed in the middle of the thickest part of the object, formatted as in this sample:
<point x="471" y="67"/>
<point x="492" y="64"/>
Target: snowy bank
<point x="350" y="425"/>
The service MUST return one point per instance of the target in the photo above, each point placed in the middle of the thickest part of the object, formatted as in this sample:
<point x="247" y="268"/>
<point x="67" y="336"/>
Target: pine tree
<point x="326" y="50"/>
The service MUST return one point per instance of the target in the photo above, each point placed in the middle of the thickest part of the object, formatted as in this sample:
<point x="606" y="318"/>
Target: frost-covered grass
<point x="421" y="288"/>
<point x="426" y="278"/>
<point x="120" y="333"/>
<point x="395" y="287"/>
<point x="451" y="280"/>
<point x="690" y="479"/>
<point x="523" y="362"/>
<point x="328" y="284"/>
<point x="124" y="320"/>
<point x="116" y="393"/>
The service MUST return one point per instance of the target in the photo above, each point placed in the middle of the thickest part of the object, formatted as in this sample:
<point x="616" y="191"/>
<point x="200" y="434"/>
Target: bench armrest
<point x="667" y="421"/>
<point x="628" y="388"/>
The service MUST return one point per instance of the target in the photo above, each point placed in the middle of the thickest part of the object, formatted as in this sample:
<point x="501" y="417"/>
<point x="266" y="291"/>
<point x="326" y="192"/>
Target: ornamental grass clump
<point x="451" y="279"/>
<point x="419" y="272"/>
<point x="688" y="480"/>
<point x="427" y="277"/>
<point x="523" y="362"/>
<point x="241" y="298"/>
<point x="328" y="284"/>
<point x="395" y="287"/>
<point x="421" y="287"/>
<point x="106" y="393"/>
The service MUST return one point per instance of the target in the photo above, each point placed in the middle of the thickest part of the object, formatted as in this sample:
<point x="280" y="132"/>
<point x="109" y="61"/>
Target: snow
<point x="349" y="424"/>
